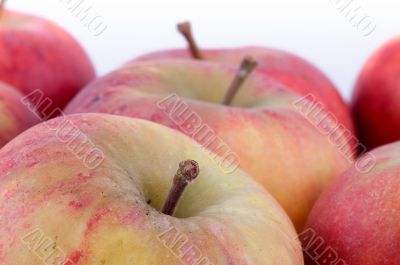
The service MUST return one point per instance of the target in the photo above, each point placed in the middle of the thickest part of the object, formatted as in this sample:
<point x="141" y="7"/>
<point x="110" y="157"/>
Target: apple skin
<point x="289" y="69"/>
<point x="14" y="116"/>
<point x="273" y="141"/>
<point x="359" y="215"/>
<point x="101" y="215"/>
<point x="376" y="98"/>
<point x="36" y="54"/>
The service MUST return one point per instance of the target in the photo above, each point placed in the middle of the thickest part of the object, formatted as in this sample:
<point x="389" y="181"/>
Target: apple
<point x="357" y="219"/>
<point x="57" y="208"/>
<point x="14" y="116"/>
<point x="37" y="55"/>
<point x="261" y="131"/>
<point x="376" y="98"/>
<point x="291" y="70"/>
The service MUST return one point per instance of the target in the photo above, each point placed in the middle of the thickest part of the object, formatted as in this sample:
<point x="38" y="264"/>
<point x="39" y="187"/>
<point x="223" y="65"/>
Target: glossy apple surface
<point x="35" y="54"/>
<point x="270" y="138"/>
<point x="110" y="214"/>
<point x="376" y="98"/>
<point x="15" y="117"/>
<point x="358" y="217"/>
<point x="289" y="69"/>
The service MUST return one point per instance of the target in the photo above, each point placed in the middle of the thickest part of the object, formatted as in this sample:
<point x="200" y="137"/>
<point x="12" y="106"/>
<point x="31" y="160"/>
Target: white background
<point x="314" y="29"/>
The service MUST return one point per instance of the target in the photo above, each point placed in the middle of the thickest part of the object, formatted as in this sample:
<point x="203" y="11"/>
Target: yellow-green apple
<point x="36" y="54"/>
<point x="14" y="116"/>
<point x="55" y="210"/>
<point x="263" y="131"/>
<point x="357" y="220"/>
<point x="376" y="98"/>
<point x="291" y="70"/>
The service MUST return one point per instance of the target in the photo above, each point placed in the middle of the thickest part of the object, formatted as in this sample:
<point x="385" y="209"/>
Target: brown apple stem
<point x="186" y="30"/>
<point x="2" y="4"/>
<point x="188" y="170"/>
<point x="247" y="66"/>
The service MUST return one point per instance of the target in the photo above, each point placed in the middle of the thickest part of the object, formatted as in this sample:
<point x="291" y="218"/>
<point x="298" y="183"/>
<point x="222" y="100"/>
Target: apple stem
<point x="246" y="67"/>
<point x="188" y="170"/>
<point x="185" y="29"/>
<point x="2" y="4"/>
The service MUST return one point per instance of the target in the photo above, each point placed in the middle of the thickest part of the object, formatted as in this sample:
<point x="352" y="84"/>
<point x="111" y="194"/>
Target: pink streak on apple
<point x="45" y="193"/>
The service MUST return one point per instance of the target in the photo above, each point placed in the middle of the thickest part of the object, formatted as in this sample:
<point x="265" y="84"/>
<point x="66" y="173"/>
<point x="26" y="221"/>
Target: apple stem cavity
<point x="188" y="170"/>
<point x="246" y="68"/>
<point x="185" y="29"/>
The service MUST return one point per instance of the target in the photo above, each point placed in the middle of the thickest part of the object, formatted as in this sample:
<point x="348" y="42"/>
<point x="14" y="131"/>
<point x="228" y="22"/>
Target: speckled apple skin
<point x="14" y="116"/>
<point x="37" y="54"/>
<point x="274" y="142"/>
<point x="376" y="98"/>
<point x="289" y="69"/>
<point x="103" y="216"/>
<point x="359" y="215"/>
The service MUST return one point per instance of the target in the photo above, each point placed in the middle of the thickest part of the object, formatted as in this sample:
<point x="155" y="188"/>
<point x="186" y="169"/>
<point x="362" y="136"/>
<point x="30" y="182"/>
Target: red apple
<point x="376" y="99"/>
<point x="357" y="220"/>
<point x="15" y="117"/>
<point x="61" y="205"/>
<point x="262" y="131"/>
<point x="35" y="54"/>
<point x="289" y="69"/>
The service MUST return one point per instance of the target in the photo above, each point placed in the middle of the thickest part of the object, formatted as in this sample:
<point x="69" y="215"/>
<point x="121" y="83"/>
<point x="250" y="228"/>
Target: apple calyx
<point x="185" y="29"/>
<point x="188" y="171"/>
<point x="246" y="68"/>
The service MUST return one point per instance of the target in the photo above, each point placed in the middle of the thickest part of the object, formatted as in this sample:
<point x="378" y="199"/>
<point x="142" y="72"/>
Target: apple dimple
<point x="198" y="81"/>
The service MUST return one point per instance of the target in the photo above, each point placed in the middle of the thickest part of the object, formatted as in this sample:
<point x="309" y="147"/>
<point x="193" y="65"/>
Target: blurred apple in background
<point x="110" y="214"/>
<point x="35" y="54"/>
<point x="261" y="130"/>
<point x="358" y="218"/>
<point x="376" y="99"/>
<point x="296" y="73"/>
<point x="15" y="117"/>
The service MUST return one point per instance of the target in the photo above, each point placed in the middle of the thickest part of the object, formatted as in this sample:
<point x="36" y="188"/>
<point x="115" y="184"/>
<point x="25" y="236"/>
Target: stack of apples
<point x="191" y="156"/>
